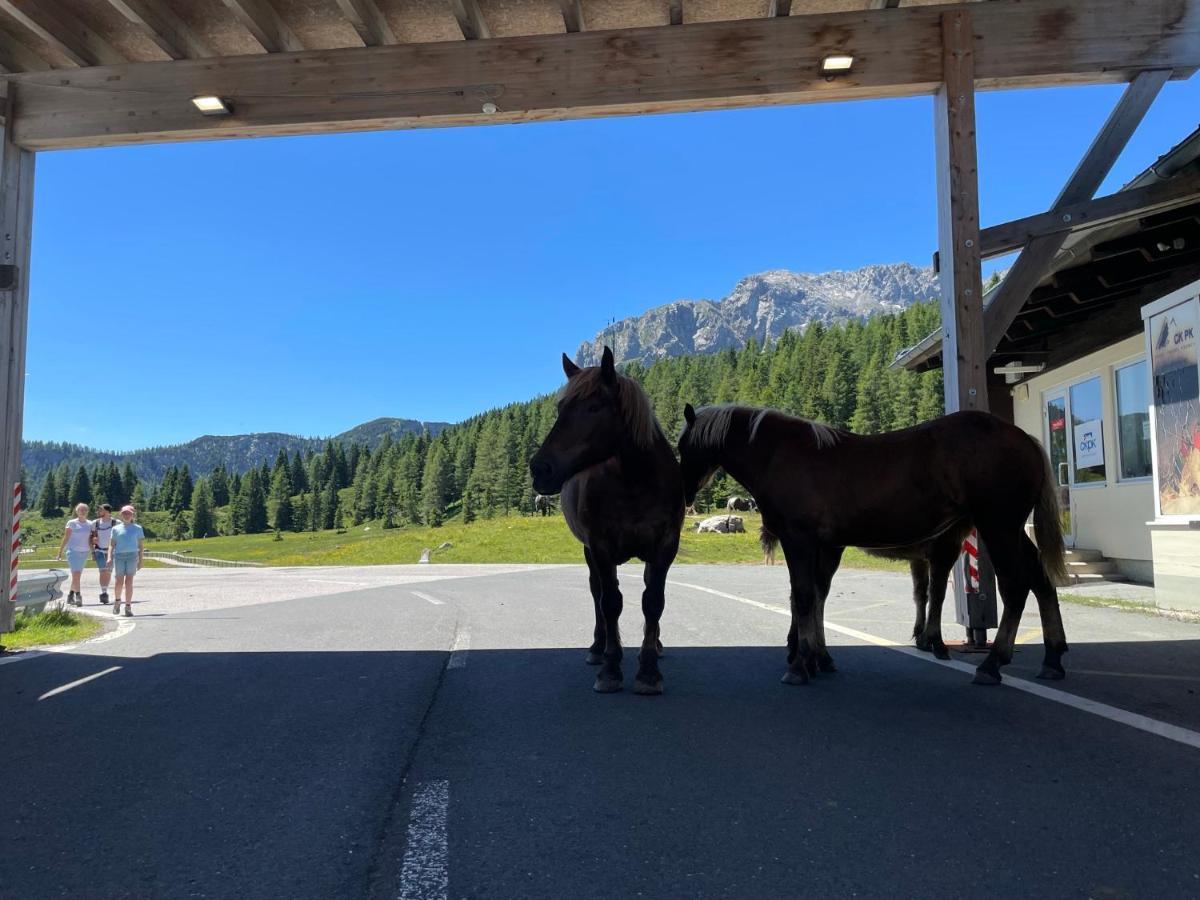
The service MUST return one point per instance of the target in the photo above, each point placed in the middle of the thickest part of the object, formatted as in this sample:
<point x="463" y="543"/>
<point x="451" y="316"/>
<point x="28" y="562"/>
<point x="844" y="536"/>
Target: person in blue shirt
<point x="125" y="553"/>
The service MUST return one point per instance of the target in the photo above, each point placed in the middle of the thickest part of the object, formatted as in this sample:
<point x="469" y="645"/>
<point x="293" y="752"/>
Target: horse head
<point x="589" y="427"/>
<point x="697" y="457"/>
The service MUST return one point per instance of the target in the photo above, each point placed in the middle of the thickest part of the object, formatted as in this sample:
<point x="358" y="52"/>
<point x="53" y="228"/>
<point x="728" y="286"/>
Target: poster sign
<point x="1176" y="383"/>
<point x="1089" y="445"/>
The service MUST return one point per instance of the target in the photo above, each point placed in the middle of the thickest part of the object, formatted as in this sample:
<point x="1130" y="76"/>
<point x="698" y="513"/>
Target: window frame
<point x="1117" y="368"/>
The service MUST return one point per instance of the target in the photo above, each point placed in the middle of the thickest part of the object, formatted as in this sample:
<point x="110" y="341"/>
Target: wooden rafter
<point x="593" y="73"/>
<point x="779" y="8"/>
<point x="675" y="11"/>
<point x="470" y="19"/>
<point x="264" y="23"/>
<point x="63" y="31"/>
<point x="16" y="57"/>
<point x="1134" y="202"/>
<point x="1037" y="257"/>
<point x="172" y="35"/>
<point x="370" y="23"/>
<point x="572" y="13"/>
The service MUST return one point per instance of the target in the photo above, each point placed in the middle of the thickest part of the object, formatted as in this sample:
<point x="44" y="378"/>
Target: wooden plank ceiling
<point x="37" y="35"/>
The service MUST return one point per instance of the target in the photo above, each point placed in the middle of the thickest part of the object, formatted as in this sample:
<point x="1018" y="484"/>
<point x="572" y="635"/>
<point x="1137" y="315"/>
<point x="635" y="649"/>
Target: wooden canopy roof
<point x="101" y="72"/>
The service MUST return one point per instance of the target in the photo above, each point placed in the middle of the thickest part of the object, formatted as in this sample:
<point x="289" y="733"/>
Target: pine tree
<point x="220" y="486"/>
<point x="256" y="503"/>
<point x="48" y="497"/>
<point x="182" y="498"/>
<point x="315" y="512"/>
<point x="329" y="503"/>
<point x="283" y="514"/>
<point x="81" y="489"/>
<point x="202" y="510"/>
<point x="300" y="513"/>
<point x="435" y="487"/>
<point x="129" y="483"/>
<point x="138" y="500"/>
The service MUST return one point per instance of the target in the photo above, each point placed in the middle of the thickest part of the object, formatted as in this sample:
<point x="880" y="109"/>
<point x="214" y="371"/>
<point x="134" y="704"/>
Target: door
<point x="1058" y="445"/>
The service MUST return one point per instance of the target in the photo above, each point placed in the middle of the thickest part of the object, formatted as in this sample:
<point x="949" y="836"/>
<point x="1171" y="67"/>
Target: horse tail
<point x="768" y="542"/>
<point x="1047" y="523"/>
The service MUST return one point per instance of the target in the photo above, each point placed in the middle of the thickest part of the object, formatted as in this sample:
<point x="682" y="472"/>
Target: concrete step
<point x="1093" y="577"/>
<point x="1084" y="555"/>
<point x="1101" y="567"/>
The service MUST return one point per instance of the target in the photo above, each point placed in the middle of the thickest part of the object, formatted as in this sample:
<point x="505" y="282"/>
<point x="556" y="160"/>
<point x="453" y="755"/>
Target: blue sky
<point x="310" y="284"/>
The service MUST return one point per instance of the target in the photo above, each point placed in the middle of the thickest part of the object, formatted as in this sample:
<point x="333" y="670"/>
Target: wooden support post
<point x="16" y="220"/>
<point x="964" y="363"/>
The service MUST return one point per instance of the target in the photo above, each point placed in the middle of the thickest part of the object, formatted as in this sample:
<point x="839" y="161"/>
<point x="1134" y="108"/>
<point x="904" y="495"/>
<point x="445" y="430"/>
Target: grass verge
<point x="1126" y="605"/>
<point x="53" y="626"/>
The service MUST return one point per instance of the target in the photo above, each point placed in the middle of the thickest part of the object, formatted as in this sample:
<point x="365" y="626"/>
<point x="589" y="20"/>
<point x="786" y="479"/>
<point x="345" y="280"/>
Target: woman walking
<point x="102" y="529"/>
<point x="125" y="552"/>
<point x="77" y="541"/>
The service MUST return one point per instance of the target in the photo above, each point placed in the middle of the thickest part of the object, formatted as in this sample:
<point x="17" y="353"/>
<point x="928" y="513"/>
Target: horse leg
<point x="802" y="556"/>
<point x="830" y="558"/>
<point x="595" y="654"/>
<point x="609" y="679"/>
<point x="919" y="568"/>
<point x="942" y="557"/>
<point x="648" y="679"/>
<point x="1054" y="636"/>
<point x="1005" y="550"/>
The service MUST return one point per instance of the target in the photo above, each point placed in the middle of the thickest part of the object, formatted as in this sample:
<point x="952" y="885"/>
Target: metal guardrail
<point x="36" y="589"/>
<point x="188" y="560"/>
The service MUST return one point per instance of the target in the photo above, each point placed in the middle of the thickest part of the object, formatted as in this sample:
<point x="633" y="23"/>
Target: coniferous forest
<point x="478" y="468"/>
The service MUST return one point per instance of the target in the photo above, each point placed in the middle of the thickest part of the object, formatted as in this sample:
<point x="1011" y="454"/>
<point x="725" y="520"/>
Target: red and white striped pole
<point x="16" y="543"/>
<point x="971" y="549"/>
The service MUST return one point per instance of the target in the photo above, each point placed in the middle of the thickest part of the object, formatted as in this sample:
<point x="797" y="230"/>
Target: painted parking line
<point x="1175" y="733"/>
<point x="425" y="874"/>
<point x="459" y="650"/>
<point x="434" y="600"/>
<point x="77" y="682"/>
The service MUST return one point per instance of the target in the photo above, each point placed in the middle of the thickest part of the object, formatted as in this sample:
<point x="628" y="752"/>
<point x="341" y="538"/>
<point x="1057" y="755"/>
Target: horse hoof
<point x="826" y="664"/>
<point x="641" y="687"/>
<point x="658" y="648"/>
<point x="594" y="658"/>
<point x="794" y="677"/>
<point x="1052" y="674"/>
<point x="941" y="652"/>
<point x="922" y="644"/>
<point x="985" y="677"/>
<point x="607" y="685"/>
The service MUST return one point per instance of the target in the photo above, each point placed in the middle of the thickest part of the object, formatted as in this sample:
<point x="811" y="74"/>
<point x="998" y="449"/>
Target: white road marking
<point x="459" y="650"/>
<point x="1175" y="733"/>
<point x="78" y="682"/>
<point x="434" y="600"/>
<point x="426" y="871"/>
<point x="331" y="581"/>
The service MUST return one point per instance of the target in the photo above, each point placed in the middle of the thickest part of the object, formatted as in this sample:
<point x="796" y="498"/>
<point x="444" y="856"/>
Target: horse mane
<point x="712" y="425"/>
<point x="631" y="401"/>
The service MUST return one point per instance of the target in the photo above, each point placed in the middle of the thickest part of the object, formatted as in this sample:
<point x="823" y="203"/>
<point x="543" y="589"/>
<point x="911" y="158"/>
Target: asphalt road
<point x="427" y="732"/>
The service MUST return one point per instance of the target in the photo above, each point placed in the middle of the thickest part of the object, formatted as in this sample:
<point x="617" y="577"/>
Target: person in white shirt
<point x="102" y="531"/>
<point x="77" y="541"/>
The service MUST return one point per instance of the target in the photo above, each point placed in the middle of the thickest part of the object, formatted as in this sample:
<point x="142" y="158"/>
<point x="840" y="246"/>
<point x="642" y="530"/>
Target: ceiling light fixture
<point x="836" y="65"/>
<point x="212" y="105"/>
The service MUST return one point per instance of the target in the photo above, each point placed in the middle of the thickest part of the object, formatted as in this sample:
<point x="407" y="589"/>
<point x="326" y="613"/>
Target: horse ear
<point x="689" y="414"/>
<point x="608" y="368"/>
<point x="569" y="367"/>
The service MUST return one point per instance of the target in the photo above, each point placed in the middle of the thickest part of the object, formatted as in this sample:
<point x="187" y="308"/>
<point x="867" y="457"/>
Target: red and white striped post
<point x="971" y="549"/>
<point x="16" y="543"/>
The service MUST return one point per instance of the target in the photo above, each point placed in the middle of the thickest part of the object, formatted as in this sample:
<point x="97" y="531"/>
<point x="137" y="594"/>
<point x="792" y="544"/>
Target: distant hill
<point x="762" y="307"/>
<point x="236" y="452"/>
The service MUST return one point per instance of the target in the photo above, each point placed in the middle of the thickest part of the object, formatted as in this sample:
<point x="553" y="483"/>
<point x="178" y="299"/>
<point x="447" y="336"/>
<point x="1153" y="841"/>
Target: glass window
<point x="1133" y="421"/>
<point x="1087" y="433"/>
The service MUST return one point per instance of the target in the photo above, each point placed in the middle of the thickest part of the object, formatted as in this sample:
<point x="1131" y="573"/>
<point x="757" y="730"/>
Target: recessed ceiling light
<point x="211" y="105"/>
<point x="834" y="64"/>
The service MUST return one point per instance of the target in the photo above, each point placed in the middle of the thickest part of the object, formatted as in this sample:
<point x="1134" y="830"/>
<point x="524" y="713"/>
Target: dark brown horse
<point x="622" y="496"/>
<point x="911" y="494"/>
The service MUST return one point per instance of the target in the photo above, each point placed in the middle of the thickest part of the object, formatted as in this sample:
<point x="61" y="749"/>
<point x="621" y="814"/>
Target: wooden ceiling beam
<point x="1038" y="255"/>
<point x="16" y="57"/>
<point x="707" y="65"/>
<point x="371" y="24"/>
<point x="63" y="31"/>
<point x="572" y="13"/>
<point x="779" y="9"/>
<point x="675" y="11"/>
<point x="884" y="4"/>
<point x="470" y="19"/>
<point x="172" y="35"/>
<point x="1132" y="203"/>
<point x="264" y="23"/>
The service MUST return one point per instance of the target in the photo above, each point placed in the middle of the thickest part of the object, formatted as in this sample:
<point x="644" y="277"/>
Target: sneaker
<point x="104" y="597"/>
<point x="128" y="610"/>
<point x="117" y="608"/>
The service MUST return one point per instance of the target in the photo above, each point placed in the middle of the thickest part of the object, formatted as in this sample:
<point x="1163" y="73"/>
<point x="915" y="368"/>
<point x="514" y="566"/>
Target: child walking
<point x="125" y="552"/>
<point x="77" y="541"/>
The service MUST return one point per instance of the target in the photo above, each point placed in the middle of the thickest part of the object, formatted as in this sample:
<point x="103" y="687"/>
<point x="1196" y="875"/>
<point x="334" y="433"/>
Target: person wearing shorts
<point x="77" y="541"/>
<point x="101" y="535"/>
<point x="125" y="552"/>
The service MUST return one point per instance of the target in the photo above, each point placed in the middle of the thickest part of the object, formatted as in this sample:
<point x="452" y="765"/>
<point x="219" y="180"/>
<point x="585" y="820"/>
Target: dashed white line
<point x="74" y="684"/>
<point x="425" y="874"/>
<point x="459" y="650"/>
<point x="1175" y="733"/>
<point x="434" y="600"/>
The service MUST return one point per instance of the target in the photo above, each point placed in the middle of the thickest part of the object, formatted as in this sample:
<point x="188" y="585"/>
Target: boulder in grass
<point x="722" y="525"/>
